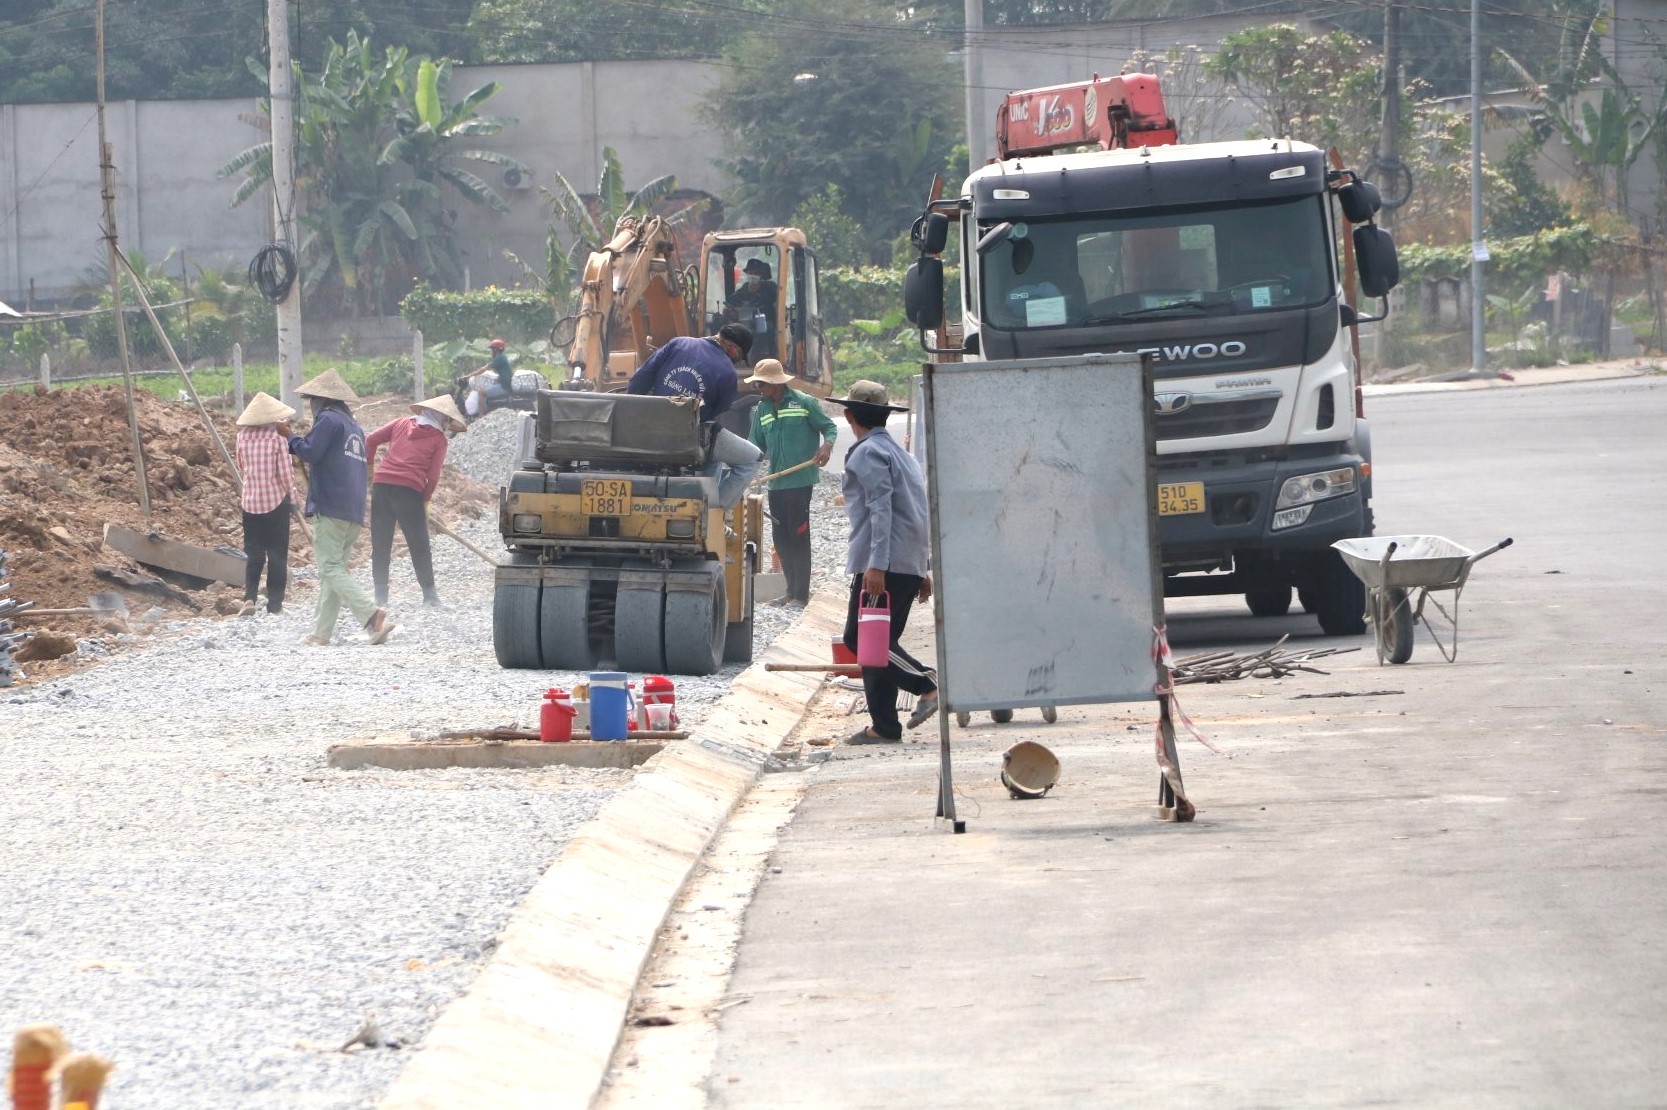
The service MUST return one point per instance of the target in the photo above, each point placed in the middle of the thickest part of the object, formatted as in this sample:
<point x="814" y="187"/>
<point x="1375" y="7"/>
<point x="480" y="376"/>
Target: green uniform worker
<point x="791" y="428"/>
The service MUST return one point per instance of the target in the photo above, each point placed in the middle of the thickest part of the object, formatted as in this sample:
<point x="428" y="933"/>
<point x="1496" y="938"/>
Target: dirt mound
<point x="66" y="469"/>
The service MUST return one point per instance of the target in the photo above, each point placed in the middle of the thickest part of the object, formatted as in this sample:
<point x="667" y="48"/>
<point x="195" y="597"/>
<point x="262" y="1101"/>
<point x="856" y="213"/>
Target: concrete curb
<point x="539" y="1025"/>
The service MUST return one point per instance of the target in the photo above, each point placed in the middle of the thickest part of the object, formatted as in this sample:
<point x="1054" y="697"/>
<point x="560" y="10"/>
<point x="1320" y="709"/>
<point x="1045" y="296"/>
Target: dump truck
<point x="1096" y="230"/>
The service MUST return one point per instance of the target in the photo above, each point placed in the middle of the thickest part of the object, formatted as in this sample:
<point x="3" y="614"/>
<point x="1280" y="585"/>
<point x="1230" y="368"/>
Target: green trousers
<point x="333" y="541"/>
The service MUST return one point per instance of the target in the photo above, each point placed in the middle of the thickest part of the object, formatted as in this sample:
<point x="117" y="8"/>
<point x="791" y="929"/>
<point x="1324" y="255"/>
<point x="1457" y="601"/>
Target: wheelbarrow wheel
<point x="1395" y="625"/>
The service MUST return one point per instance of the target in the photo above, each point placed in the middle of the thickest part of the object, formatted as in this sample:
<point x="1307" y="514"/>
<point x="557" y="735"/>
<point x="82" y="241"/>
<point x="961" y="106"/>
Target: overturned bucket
<point x="1028" y="769"/>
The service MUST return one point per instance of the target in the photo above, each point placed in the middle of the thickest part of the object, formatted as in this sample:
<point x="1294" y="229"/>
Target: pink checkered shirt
<point x="263" y="460"/>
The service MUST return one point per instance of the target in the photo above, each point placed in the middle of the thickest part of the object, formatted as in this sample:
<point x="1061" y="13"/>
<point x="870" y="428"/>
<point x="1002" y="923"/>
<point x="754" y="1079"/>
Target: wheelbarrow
<point x="1401" y="573"/>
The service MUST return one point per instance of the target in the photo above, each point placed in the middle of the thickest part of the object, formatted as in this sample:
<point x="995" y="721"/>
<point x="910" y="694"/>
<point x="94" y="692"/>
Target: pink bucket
<point x="874" y="631"/>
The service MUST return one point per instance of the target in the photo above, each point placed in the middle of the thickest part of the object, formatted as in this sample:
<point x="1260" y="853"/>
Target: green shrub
<point x="517" y="315"/>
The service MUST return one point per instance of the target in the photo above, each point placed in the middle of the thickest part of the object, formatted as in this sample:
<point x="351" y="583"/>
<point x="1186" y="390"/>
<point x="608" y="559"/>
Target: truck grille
<point x="1217" y="418"/>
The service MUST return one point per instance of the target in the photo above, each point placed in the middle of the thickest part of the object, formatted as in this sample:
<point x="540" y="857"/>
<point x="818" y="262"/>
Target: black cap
<point x="738" y="334"/>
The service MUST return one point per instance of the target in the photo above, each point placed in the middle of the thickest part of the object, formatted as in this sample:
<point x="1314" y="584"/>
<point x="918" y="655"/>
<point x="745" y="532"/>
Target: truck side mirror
<point x="923" y="293"/>
<point x="930" y="233"/>
<point x="1360" y="201"/>
<point x="1375" y="259"/>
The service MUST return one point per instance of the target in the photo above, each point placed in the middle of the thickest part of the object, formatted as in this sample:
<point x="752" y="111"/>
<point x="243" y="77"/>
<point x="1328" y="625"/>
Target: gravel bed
<point x="188" y="889"/>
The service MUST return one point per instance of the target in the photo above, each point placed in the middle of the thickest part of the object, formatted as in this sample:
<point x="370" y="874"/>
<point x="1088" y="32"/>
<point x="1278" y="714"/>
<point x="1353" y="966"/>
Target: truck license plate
<point x="1180" y="498"/>
<point x="605" y="497"/>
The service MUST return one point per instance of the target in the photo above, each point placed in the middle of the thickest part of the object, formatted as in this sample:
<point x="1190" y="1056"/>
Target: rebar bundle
<point x="1222" y="666"/>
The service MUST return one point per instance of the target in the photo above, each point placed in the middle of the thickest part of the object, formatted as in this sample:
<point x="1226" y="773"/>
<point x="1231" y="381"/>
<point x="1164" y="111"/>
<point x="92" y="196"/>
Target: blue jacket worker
<point x="705" y="370"/>
<point x="334" y="452"/>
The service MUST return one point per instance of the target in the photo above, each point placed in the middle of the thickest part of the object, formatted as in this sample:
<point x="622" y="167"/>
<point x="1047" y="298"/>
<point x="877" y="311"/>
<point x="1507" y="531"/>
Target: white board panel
<point x="1042" y="494"/>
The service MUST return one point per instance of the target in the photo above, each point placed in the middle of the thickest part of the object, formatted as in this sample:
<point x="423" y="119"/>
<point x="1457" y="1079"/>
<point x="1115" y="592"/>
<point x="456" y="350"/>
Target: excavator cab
<point x="766" y="279"/>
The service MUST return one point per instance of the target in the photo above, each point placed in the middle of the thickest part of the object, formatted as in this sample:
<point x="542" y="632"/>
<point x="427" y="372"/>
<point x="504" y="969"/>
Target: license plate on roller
<point x="1180" y="498"/>
<point x="605" y="497"/>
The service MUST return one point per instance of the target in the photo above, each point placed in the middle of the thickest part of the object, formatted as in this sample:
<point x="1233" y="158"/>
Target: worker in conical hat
<point x="337" y="477"/>
<point x="267" y="499"/>
<point x="402" y="485"/>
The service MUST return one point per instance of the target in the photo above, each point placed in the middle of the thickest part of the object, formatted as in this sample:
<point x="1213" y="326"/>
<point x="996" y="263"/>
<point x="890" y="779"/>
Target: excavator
<point x="617" y="548"/>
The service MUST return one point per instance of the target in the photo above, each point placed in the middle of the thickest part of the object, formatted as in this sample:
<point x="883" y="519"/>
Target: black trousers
<point x="402" y="505"/>
<point x="266" y="543"/>
<point x="902" y="671"/>
<point x="790" y="532"/>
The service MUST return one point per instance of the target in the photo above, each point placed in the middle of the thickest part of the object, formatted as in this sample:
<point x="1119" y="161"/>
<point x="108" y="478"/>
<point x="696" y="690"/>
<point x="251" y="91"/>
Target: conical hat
<point x="331" y="387"/>
<point x="446" y="407"/>
<point x="264" y="408"/>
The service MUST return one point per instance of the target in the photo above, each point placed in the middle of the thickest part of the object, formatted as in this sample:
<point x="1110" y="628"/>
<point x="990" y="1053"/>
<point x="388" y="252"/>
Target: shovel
<point x="443" y="530"/>
<point x="107" y="604"/>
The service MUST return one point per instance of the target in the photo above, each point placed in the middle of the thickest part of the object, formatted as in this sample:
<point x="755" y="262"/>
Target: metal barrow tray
<point x="1394" y="569"/>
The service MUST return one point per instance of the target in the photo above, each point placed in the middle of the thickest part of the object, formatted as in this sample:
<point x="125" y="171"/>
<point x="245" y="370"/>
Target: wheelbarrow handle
<point x="1480" y="555"/>
<point x="1388" y="552"/>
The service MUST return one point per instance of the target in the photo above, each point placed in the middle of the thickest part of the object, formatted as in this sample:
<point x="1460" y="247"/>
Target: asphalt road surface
<point x="1448" y="887"/>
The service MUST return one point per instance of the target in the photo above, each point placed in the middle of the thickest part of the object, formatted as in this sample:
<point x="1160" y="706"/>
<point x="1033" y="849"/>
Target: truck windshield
<point x="1111" y="267"/>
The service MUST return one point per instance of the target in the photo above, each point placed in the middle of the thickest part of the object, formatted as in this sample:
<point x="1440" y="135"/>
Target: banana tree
<point x="376" y="139"/>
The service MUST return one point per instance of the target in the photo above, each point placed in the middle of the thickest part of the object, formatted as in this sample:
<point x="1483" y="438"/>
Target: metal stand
<point x="1172" y="795"/>
<point x="946" y="778"/>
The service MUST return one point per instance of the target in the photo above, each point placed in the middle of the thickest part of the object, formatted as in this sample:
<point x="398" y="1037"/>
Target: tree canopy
<point x="865" y="100"/>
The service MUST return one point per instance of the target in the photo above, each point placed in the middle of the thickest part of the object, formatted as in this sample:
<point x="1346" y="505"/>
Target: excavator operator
<point x="754" y="304"/>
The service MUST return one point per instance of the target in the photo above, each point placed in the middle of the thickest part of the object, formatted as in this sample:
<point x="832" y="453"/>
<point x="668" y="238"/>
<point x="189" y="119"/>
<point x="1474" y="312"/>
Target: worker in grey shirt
<point x="888" y="553"/>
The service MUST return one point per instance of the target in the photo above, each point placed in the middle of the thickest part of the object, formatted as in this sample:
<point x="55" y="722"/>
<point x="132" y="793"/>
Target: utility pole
<point x="1389" y="134"/>
<point x="107" y="182"/>
<point x="281" y="96"/>
<point x="977" y="125"/>
<point x="1478" y="246"/>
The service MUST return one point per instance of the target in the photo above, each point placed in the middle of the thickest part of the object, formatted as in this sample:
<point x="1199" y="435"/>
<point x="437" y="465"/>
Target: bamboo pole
<point x="107" y="173"/>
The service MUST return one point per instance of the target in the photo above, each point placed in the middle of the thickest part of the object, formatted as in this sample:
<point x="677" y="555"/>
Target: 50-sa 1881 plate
<point x="605" y="497"/>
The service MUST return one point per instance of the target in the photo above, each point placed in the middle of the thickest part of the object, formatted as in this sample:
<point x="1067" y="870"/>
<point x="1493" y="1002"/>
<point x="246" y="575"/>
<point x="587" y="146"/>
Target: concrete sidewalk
<point x="1370" y="908"/>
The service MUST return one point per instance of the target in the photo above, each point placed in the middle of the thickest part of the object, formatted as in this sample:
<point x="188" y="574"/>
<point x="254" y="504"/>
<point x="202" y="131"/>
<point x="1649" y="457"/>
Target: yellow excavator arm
<point x="633" y="299"/>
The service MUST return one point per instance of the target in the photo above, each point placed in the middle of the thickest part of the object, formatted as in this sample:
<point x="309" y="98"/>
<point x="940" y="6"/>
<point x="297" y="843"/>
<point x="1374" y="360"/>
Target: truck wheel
<point x="1269" y="600"/>
<point x="1395" y="624"/>
<point x="564" y="628"/>
<point x="1001" y="716"/>
<point x="1339" y="597"/>
<point x="639" y="620"/>
<point x="962" y="720"/>
<point x="696" y="619"/>
<point x="1050" y="714"/>
<point x="515" y="613"/>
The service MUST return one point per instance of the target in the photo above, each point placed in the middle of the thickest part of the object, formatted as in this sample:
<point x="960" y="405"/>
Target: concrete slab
<point x="397" y="752"/>
<point x="539" y="1025"/>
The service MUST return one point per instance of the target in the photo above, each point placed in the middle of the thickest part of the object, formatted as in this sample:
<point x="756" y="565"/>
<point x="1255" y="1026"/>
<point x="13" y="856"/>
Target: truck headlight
<point x="526" y="522"/>
<point x="680" y="529"/>
<point x="1305" y="489"/>
<point x="1298" y="495"/>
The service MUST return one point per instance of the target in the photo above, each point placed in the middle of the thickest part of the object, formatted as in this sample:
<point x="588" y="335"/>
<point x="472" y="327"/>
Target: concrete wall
<point x="167" y="152"/>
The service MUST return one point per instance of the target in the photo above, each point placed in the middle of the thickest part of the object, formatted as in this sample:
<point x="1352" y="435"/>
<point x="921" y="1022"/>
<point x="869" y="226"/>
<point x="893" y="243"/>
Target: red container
<point x="555" y="718"/>
<point x="843" y="655"/>
<point x="657" y="689"/>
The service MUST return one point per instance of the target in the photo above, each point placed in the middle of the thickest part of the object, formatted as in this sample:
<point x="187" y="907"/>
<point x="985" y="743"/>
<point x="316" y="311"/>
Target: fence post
<point x="46" y="370"/>
<point x="417" y="362"/>
<point x="237" y="376"/>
